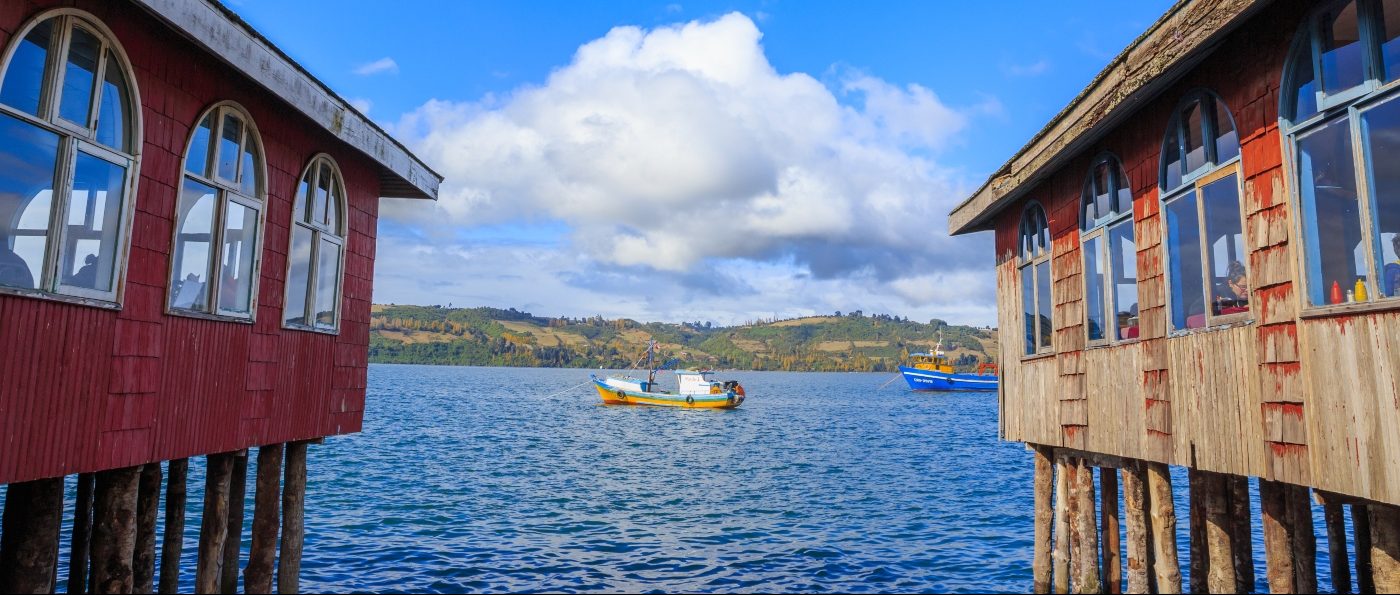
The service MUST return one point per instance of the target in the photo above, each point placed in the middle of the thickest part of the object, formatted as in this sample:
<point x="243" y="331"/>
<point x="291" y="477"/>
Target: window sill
<point x="208" y="316"/>
<point x="1037" y="357"/>
<point x="36" y="294"/>
<point x="1124" y="342"/>
<point x="1210" y="329"/>
<point x="1385" y="305"/>
<point x="309" y="329"/>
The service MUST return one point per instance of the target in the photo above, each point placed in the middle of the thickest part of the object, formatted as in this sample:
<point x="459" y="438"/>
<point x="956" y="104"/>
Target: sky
<point x="722" y="161"/>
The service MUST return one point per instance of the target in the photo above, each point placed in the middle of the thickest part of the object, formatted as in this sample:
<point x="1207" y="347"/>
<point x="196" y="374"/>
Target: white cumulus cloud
<point x="382" y="65"/>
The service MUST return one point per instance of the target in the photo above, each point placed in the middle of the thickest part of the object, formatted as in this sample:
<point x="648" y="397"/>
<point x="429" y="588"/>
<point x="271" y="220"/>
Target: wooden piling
<point x="82" y="536"/>
<point x="1278" y="536"/>
<point x="1089" y="577"/>
<point x="1166" y="564"/>
<point x="114" y="530"/>
<point x="1111" y="563"/>
<point x="1198" y="560"/>
<point x="262" y="553"/>
<point x="1044" y="513"/>
<point x="1304" y="540"/>
<point x="1340" y="563"/>
<point x="1219" y="535"/>
<point x="293" y="503"/>
<point x="1385" y="547"/>
<point x="33" y="519"/>
<point x="1361" y="528"/>
<point x="233" y="540"/>
<point x="1134" y="509"/>
<point x="1243" y="530"/>
<point x="1076" y="541"/>
<point x="214" y="523"/>
<point x="173" y="539"/>
<point x="1061" y="557"/>
<point x="143" y="568"/>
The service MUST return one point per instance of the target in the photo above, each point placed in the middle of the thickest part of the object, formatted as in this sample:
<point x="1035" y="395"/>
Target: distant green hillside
<point x="494" y="337"/>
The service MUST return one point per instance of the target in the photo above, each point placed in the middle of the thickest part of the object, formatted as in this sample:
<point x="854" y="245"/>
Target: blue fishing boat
<point x="932" y="372"/>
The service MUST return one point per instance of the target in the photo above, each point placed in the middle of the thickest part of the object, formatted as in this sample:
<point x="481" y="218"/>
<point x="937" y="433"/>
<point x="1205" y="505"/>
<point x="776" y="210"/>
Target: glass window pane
<point x="299" y="210"/>
<point x="24" y="79"/>
<point x="112" y="112"/>
<point x="1122" y="255"/>
<point x="1340" y="39"/>
<point x="1331" y="218"/>
<point x="1028" y="306"/>
<point x="75" y="103"/>
<point x="1042" y="281"/>
<point x="1381" y="125"/>
<point x="248" y="178"/>
<point x="190" y="278"/>
<point x="1390" y="37"/>
<point x="1123" y="190"/>
<point x="236" y="269"/>
<point x="1042" y="233"/>
<point x="1194" y="135"/>
<point x="26" y="194"/>
<point x="197" y="158"/>
<point x="1304" y="83"/>
<point x="1103" y="186"/>
<point x="1171" y="159"/>
<point x="1184" y="254"/>
<point x="323" y="192"/>
<point x="90" y="249"/>
<point x="299" y="278"/>
<point x="1229" y="286"/>
<point x="327" y="284"/>
<point x="333" y="209"/>
<point x="229" y="137"/>
<point x="1227" y="139"/>
<point x="1093" y="288"/>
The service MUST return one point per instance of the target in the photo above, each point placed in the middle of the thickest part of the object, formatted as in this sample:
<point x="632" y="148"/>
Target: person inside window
<point x="87" y="275"/>
<point x="14" y="271"/>
<point x="1233" y="295"/>
<point x="1392" y="269"/>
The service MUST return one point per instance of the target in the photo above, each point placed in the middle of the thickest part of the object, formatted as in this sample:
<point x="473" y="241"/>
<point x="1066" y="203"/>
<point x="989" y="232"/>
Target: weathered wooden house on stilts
<point x="187" y="236"/>
<point x="1198" y="265"/>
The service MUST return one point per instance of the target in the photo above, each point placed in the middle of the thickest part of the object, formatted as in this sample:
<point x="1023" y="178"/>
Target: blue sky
<point x="723" y="161"/>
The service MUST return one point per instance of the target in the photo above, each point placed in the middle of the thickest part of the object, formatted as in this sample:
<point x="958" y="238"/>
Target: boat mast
<point x="651" y="369"/>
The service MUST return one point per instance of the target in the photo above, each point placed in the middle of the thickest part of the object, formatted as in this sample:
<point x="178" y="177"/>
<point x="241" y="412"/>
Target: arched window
<point x="218" y="218"/>
<point x="1110" y="253"/>
<point x="1340" y="91"/>
<point x="69" y="138"/>
<point x="1035" y="278"/>
<point x="317" y="253"/>
<point x="1207" y="272"/>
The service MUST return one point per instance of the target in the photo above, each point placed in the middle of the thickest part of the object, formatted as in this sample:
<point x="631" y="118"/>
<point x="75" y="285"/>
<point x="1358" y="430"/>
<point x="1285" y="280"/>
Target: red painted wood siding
<point x="86" y="389"/>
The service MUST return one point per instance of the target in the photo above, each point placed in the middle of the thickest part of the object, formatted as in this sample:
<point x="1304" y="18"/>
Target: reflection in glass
<point x="323" y="192"/>
<point x="1171" y="157"/>
<point x="1331" y="218"/>
<point x="1340" y="41"/>
<point x="1304" y="84"/>
<point x="1122" y="255"/>
<point x="1093" y="288"/>
<point x="236" y="270"/>
<point x="1028" y="306"/>
<point x="1193" y="137"/>
<point x="1184" y="273"/>
<point x="24" y="78"/>
<point x="90" y="247"/>
<point x="299" y="277"/>
<point x="333" y="209"/>
<point x="75" y="102"/>
<point x="190" y="279"/>
<point x="1103" y="185"/>
<point x="229" y="137"/>
<point x="1229" y="286"/>
<point x="112" y="111"/>
<point x="248" y="176"/>
<point x="197" y="158"/>
<point x="1381" y="129"/>
<point x="1390" y="37"/>
<point x="1227" y="139"/>
<point x="1042" y="281"/>
<point x="327" y="284"/>
<point x="299" y="210"/>
<point x="26" y="191"/>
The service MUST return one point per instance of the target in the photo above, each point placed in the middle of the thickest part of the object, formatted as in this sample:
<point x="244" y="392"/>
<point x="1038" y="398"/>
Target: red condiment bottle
<point x="1336" y="297"/>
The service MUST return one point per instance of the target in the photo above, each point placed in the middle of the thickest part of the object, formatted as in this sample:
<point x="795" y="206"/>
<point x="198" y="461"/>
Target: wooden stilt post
<point x="1238" y="492"/>
<point x="1089" y="578"/>
<point x="1135" y="511"/>
<point x="214" y="523"/>
<point x="1044" y="482"/>
<point x="262" y="554"/>
<point x="1361" y="528"/>
<point x="82" y="536"/>
<point x="1076" y="541"/>
<point x="293" y="508"/>
<point x="1304" y="540"/>
<point x="33" y="520"/>
<point x="1167" y="566"/>
<point x="1337" y="557"/>
<point x="114" y="530"/>
<point x="1198" y="560"/>
<point x="1111" y="566"/>
<point x="1385" y="547"/>
<point x="1219" y="536"/>
<point x="1061" y="557"/>
<point x="173" y="540"/>
<point x="233" y="540"/>
<point x="143" y="568"/>
<point x="1278" y="536"/>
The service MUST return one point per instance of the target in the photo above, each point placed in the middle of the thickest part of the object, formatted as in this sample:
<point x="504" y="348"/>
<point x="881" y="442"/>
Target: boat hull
<point x="930" y="380"/>
<point x="613" y="395"/>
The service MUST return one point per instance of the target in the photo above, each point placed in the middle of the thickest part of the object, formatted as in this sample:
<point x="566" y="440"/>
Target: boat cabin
<point x="696" y="383"/>
<point x="930" y="362"/>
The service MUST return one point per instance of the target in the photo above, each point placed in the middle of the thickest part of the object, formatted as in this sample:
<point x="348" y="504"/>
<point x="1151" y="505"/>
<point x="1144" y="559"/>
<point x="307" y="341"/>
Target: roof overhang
<point x="1175" y="44"/>
<point x="218" y="30"/>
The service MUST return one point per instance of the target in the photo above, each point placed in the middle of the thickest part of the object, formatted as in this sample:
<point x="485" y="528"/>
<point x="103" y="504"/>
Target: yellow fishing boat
<point x="694" y="389"/>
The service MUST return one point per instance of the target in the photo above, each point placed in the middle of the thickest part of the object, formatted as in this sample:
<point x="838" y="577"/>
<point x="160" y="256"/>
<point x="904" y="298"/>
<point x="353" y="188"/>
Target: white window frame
<point x="75" y="138"/>
<point x="1098" y="230"/>
<point x="319" y="233"/>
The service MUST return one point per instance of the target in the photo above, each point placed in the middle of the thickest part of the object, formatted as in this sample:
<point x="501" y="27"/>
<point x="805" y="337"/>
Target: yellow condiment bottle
<point x="1360" y="290"/>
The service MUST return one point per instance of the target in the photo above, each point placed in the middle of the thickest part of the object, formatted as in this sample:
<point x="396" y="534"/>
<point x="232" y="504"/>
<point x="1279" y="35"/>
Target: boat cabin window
<point x="317" y="254"/>
<point x="1109" y="252"/>
<point x="1206" y="264"/>
<point x="68" y="138"/>
<point x="1035" y="279"/>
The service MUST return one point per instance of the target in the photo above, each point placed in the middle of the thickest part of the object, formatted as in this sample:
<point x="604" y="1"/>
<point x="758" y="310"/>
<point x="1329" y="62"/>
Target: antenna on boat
<point x="938" y="349"/>
<point x="651" y="369"/>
